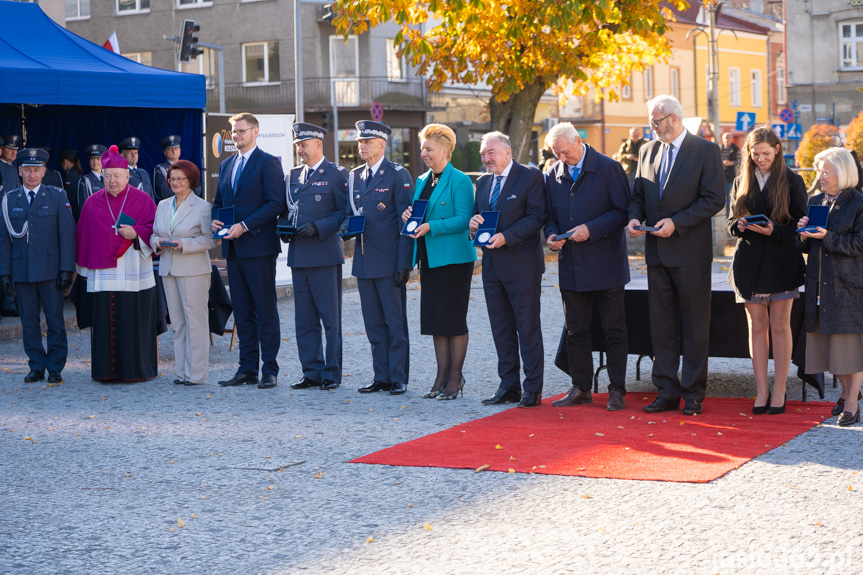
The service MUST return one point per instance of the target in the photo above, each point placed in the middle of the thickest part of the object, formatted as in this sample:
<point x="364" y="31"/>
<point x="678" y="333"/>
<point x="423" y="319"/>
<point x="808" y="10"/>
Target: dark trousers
<point x="385" y="318"/>
<point x="577" y="309"/>
<point x="33" y="297"/>
<point x="679" y="300"/>
<point x="318" y="303"/>
<point x="513" y="312"/>
<point x="256" y="314"/>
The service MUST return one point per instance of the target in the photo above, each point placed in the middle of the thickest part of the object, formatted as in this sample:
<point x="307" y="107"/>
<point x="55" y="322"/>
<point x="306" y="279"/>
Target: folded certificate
<point x="756" y="220"/>
<point x="817" y="219"/>
<point x="486" y="229"/>
<point x="417" y="214"/>
<point x="354" y="225"/>
<point x="124" y="220"/>
<point x="226" y="216"/>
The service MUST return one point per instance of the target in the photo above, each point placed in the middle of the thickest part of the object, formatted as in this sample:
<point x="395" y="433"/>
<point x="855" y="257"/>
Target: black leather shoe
<point x="503" y="396"/>
<point x="616" y="401"/>
<point x="530" y="399"/>
<point x="55" y="377"/>
<point x="398" y="388"/>
<point x="375" y="386"/>
<point x="179" y="381"/>
<point x="574" y="396"/>
<point x="34" y="376"/>
<point x="691" y="407"/>
<point x="239" y="379"/>
<point x="329" y="384"/>
<point x="659" y="404"/>
<point x="267" y="382"/>
<point x="838" y="408"/>
<point x="305" y="383"/>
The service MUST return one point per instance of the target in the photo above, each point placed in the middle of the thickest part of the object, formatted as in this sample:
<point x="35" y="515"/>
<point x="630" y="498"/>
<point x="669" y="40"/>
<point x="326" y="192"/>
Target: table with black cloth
<point x="729" y="331"/>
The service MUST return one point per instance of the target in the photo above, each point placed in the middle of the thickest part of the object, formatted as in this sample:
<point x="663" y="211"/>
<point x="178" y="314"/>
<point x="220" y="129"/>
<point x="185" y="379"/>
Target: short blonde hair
<point x="441" y="134"/>
<point x="844" y="164"/>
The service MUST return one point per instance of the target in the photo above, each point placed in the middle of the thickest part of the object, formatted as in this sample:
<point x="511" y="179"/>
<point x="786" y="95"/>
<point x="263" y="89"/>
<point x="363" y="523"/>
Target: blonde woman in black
<point x="767" y="267"/>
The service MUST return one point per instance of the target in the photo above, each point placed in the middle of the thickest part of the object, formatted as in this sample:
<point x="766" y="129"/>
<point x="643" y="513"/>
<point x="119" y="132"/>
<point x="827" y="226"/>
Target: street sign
<point x="805" y="108"/>
<point x="745" y="120"/>
<point x="377" y="112"/>
<point x="793" y="132"/>
<point x="786" y="115"/>
<point x="779" y="130"/>
<point x="648" y="133"/>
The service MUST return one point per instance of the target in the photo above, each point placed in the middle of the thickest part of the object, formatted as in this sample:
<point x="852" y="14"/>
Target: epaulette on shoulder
<point x="340" y="168"/>
<point x="398" y="167"/>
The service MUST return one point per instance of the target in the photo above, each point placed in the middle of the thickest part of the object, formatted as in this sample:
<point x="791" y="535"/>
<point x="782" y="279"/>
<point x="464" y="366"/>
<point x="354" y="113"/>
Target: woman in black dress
<point x="446" y="257"/>
<point x="767" y="267"/>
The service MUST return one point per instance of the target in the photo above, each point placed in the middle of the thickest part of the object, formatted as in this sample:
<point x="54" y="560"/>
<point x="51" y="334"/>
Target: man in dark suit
<point x="679" y="186"/>
<point x="316" y="205"/>
<point x="37" y="262"/>
<point x="512" y="268"/>
<point x="381" y="191"/>
<point x="253" y="184"/>
<point x="587" y="195"/>
<point x="138" y="178"/>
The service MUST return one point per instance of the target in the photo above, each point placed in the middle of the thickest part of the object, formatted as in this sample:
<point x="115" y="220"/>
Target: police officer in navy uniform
<point x="37" y="262"/>
<point x="317" y="199"/>
<point x="138" y="178"/>
<point x="8" y="168"/>
<point x="172" y="150"/>
<point x="382" y="190"/>
<point x="90" y="182"/>
<point x="71" y="172"/>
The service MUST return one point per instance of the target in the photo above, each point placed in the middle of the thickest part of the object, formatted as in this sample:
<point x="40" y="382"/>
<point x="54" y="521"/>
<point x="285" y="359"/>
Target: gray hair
<point x="498" y="136"/>
<point x="843" y="162"/>
<point x="564" y="130"/>
<point x="666" y="105"/>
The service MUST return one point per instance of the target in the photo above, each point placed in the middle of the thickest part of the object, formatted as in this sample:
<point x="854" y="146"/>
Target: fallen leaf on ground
<point x="180" y="523"/>
<point x="481" y="468"/>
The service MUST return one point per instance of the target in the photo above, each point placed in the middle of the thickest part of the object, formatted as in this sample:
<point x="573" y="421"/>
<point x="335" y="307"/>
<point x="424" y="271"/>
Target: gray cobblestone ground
<point x="93" y="479"/>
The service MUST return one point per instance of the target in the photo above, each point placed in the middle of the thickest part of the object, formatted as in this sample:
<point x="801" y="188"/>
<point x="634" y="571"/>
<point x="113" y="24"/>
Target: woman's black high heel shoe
<point x="450" y="396"/>
<point x="778" y="410"/>
<point x="434" y="392"/>
<point x="761" y="409"/>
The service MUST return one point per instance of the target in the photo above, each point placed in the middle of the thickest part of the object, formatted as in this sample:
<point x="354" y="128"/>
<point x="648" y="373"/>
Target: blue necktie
<point x="665" y="169"/>
<point x="574" y="172"/>
<point x="495" y="193"/>
<point x="239" y="171"/>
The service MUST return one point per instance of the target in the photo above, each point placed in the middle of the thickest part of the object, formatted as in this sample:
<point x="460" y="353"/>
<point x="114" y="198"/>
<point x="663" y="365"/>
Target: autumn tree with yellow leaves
<point x="520" y="48"/>
<point x="816" y="139"/>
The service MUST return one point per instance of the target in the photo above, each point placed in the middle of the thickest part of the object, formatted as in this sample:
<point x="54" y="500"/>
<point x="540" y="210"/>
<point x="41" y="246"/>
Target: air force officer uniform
<point x="317" y="198"/>
<point x="138" y="178"/>
<point x="37" y="253"/>
<point x="382" y="261"/>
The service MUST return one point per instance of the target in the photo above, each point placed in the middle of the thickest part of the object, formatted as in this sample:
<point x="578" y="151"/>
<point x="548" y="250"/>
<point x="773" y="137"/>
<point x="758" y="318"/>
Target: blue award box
<point x="226" y="216"/>
<point x="486" y="229"/>
<point x="817" y="219"/>
<point x="354" y="225"/>
<point x="417" y="214"/>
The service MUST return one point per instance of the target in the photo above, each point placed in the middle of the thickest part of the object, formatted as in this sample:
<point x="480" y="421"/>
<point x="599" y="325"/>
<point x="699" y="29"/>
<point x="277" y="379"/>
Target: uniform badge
<point x="317" y="197"/>
<point x="382" y="206"/>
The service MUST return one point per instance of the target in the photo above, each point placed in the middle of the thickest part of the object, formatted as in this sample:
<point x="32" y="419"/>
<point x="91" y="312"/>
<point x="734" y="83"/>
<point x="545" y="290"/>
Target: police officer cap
<point x="95" y="150"/>
<point x="303" y="132"/>
<point x="132" y="143"/>
<point x="66" y="154"/>
<point x="366" y="130"/>
<point x="32" y="157"/>
<point x="12" y="141"/>
<point x="171" y="142"/>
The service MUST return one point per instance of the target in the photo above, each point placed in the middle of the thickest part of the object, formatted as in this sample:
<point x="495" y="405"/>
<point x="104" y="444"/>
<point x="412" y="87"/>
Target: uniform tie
<point x="495" y="193"/>
<point x="32" y="195"/>
<point x="239" y="171"/>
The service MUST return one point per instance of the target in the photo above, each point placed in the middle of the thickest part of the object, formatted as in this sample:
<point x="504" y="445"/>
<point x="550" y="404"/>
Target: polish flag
<point x="112" y="43"/>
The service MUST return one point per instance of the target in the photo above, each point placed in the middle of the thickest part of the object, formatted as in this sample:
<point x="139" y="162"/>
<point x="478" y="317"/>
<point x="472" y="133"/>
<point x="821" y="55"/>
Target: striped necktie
<point x="495" y="193"/>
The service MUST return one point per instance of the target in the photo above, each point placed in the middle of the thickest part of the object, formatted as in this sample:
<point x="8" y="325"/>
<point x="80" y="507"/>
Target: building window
<point x="145" y="58"/>
<point x="851" y="41"/>
<point x="626" y="90"/>
<point x="193" y="3"/>
<point x="396" y="69"/>
<point x="204" y="64"/>
<point x="755" y="87"/>
<point x="674" y="75"/>
<point x="648" y="83"/>
<point x="261" y="63"/>
<point x="780" y="86"/>
<point x="132" y="6"/>
<point x="77" y="9"/>
<point x="734" y="87"/>
<point x="344" y="69"/>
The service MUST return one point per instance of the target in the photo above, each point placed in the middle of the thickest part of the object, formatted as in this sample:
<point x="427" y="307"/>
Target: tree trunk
<point x="515" y="117"/>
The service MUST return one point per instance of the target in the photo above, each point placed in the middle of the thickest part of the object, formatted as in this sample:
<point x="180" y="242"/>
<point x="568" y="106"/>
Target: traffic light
<point x="328" y="121"/>
<point x="189" y="42"/>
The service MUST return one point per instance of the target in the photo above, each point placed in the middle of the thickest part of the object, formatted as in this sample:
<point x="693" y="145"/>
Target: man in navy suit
<point x="138" y="178"/>
<point x="512" y="268"/>
<point x="587" y="195"/>
<point x="316" y="204"/>
<point x="37" y="262"/>
<point x="253" y="184"/>
<point x="381" y="191"/>
<point x="679" y="186"/>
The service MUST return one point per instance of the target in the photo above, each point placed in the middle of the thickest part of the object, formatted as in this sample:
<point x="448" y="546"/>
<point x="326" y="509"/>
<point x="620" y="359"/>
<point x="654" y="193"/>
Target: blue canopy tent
<point x="59" y="90"/>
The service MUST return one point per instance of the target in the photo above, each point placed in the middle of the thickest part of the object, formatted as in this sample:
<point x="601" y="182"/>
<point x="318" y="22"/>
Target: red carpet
<point x="588" y="441"/>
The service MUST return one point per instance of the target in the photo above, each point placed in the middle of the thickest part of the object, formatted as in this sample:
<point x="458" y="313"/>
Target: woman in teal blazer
<point x="446" y="257"/>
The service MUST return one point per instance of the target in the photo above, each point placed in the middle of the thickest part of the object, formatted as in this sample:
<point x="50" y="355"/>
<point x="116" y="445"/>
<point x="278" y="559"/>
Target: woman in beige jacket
<point x="182" y="236"/>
